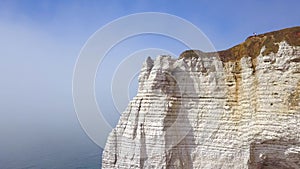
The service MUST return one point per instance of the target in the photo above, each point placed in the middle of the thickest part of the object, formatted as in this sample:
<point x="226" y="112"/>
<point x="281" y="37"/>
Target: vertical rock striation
<point x="238" y="108"/>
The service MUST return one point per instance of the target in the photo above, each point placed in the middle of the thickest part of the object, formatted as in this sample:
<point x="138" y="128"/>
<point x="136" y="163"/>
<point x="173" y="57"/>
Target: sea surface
<point x="84" y="157"/>
<point x="49" y="149"/>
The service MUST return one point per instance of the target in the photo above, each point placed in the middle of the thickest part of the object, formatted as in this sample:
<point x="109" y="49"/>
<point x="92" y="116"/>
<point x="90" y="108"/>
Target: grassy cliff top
<point x="253" y="45"/>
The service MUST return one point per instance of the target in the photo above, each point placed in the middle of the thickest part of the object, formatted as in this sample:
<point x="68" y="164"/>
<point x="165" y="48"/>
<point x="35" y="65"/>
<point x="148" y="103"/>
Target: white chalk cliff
<point x="233" y="109"/>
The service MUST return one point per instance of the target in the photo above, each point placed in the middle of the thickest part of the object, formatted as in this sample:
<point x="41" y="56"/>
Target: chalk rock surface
<point x="233" y="109"/>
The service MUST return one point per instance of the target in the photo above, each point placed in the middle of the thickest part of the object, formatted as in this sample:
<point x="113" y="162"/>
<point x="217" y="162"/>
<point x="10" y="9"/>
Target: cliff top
<point x="253" y="44"/>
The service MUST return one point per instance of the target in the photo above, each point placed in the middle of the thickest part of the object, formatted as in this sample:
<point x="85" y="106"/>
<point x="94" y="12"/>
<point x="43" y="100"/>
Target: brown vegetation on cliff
<point x="253" y="45"/>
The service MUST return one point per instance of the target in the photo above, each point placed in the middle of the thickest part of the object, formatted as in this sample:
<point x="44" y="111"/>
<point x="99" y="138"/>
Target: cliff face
<point x="238" y="108"/>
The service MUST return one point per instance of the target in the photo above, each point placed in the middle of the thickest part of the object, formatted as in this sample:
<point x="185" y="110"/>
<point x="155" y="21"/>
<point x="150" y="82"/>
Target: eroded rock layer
<point x="205" y="111"/>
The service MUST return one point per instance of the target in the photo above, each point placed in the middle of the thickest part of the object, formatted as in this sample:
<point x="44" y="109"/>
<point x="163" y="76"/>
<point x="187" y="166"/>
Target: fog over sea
<point x="36" y="145"/>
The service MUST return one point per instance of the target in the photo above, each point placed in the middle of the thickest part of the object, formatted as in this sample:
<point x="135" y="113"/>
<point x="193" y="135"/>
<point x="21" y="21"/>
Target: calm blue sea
<point x="49" y="150"/>
<point x="84" y="157"/>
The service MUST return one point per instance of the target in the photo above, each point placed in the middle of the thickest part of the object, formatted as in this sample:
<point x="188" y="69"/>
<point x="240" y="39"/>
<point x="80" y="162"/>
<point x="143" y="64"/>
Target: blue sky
<point x="225" y="22"/>
<point x="40" y="42"/>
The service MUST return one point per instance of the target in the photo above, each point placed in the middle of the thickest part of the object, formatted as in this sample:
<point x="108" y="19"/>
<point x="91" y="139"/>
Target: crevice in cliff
<point x="137" y="118"/>
<point x="143" y="150"/>
<point x="271" y="154"/>
<point x="294" y="98"/>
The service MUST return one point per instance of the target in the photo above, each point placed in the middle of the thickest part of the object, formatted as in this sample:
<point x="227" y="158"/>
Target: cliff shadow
<point x="179" y="134"/>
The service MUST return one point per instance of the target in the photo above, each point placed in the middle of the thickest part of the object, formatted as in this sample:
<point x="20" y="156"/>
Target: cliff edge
<point x="233" y="109"/>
